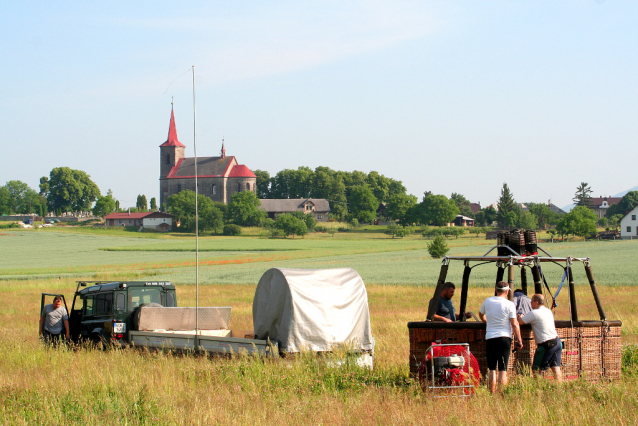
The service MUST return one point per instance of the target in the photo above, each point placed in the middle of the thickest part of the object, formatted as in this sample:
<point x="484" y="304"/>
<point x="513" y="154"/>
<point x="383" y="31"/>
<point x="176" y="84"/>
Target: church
<point x="218" y="178"/>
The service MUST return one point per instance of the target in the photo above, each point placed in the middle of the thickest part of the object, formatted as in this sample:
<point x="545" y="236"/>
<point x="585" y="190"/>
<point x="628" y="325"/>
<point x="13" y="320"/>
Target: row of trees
<point x="352" y="195"/>
<point x="64" y="190"/>
<point x="243" y="210"/>
<point x="17" y="198"/>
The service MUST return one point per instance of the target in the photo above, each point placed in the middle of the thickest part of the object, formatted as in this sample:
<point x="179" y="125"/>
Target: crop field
<point x="90" y="386"/>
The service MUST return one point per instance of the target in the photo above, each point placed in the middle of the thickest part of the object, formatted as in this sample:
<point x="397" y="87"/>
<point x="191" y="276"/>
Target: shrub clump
<point x="232" y="229"/>
<point x="438" y="248"/>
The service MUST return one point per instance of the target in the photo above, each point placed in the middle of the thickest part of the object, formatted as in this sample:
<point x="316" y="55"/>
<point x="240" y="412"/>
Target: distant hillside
<point x="622" y="194"/>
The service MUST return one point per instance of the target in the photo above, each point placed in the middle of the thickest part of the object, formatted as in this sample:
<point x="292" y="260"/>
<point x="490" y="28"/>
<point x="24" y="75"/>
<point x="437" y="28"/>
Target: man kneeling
<point x="549" y="350"/>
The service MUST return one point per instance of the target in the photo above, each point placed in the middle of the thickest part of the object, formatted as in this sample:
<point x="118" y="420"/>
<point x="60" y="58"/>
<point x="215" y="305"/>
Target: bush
<point x="276" y="233"/>
<point x="9" y="225"/>
<point x="231" y="229"/>
<point x="342" y="229"/>
<point x="432" y="232"/>
<point x="438" y="248"/>
<point x="630" y="360"/>
<point x="403" y="232"/>
<point x="320" y="228"/>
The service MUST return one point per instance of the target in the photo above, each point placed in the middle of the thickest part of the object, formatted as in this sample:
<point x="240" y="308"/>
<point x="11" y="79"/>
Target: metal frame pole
<point x="510" y="281"/>
<point x="594" y="290"/>
<point x="464" y="288"/>
<point x="437" y="292"/>
<point x="572" y="293"/>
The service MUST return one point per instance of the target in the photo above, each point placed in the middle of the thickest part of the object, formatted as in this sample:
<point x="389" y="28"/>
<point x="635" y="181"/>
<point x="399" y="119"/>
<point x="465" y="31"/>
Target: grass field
<point x="41" y="386"/>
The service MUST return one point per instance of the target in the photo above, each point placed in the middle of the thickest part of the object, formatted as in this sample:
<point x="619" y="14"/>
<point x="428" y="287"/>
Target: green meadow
<point x="89" y="386"/>
<point x="379" y="259"/>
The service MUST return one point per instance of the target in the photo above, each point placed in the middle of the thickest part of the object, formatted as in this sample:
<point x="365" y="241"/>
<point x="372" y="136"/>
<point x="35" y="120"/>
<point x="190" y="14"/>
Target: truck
<point x="145" y="314"/>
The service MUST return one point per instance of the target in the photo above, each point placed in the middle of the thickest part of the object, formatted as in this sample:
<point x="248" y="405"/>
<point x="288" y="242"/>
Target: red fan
<point x="446" y="367"/>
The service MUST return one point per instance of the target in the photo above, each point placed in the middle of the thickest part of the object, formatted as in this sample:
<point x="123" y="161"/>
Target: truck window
<point x="170" y="299"/>
<point x="139" y="296"/>
<point x="88" y="305"/>
<point x="120" y="301"/>
<point x="103" y="303"/>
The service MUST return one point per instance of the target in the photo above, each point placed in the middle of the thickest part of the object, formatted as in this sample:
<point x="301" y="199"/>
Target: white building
<point x="629" y="224"/>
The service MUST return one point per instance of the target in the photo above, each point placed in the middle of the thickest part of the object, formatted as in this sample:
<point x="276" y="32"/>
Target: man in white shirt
<point x="500" y="315"/>
<point x="549" y="347"/>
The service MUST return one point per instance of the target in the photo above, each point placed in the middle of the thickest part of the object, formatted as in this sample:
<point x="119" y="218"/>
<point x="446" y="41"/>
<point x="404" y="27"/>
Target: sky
<point x="445" y="96"/>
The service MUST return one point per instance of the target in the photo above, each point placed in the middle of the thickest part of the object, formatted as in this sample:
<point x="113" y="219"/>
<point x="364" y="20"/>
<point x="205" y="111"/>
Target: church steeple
<point x="172" y="133"/>
<point x="223" y="149"/>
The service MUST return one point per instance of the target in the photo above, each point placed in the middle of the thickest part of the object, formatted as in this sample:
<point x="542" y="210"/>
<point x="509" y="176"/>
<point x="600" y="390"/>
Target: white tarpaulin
<point x="312" y="309"/>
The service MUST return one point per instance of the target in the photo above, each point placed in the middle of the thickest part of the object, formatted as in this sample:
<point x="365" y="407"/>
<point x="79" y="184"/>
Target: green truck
<point x="145" y="314"/>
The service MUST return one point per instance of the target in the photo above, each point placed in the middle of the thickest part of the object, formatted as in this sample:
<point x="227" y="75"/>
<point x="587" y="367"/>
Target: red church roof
<point x="241" y="171"/>
<point x="172" y="134"/>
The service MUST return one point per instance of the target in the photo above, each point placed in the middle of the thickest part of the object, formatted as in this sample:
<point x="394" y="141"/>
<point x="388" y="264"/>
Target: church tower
<point x="171" y="152"/>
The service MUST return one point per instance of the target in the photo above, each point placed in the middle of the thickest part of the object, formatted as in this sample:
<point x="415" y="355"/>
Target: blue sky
<point x="446" y="96"/>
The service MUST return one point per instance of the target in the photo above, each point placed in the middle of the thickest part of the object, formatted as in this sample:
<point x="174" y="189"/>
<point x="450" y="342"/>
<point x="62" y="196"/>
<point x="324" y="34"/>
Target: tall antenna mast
<point x="196" y="223"/>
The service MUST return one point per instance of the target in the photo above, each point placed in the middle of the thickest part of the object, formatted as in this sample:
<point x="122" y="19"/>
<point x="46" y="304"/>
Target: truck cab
<point x="104" y="311"/>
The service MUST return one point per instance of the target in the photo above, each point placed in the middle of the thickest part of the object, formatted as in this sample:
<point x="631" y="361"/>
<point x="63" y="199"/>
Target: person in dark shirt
<point x="522" y="302"/>
<point x="445" y="309"/>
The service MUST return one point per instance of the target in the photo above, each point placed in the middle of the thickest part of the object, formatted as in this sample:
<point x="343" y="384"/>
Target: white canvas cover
<point x="312" y="309"/>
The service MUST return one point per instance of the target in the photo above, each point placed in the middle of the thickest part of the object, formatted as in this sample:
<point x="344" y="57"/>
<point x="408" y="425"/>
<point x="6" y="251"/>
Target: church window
<point x="179" y="187"/>
<point x="238" y="187"/>
<point x="247" y="187"/>
<point x="214" y="189"/>
<point x="168" y="158"/>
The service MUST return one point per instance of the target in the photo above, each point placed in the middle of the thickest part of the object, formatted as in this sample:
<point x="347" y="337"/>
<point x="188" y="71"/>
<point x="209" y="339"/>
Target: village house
<point x="629" y="224"/>
<point x="218" y="178"/>
<point x="601" y="204"/>
<point x="461" y="220"/>
<point x="318" y="207"/>
<point x="157" y="221"/>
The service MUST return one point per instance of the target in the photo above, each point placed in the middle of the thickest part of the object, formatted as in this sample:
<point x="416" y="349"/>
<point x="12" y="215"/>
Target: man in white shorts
<point x="500" y="315"/>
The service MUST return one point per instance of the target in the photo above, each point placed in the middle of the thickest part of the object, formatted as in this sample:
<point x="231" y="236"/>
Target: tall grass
<point x="88" y="386"/>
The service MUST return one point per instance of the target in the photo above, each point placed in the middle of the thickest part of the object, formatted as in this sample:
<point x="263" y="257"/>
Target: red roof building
<point x="148" y="220"/>
<point x="218" y="178"/>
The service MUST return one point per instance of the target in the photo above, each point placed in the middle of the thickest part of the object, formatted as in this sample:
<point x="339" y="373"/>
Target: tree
<point x="154" y="204"/>
<point x="580" y="221"/>
<point x="69" y="190"/>
<point x="338" y="200"/>
<point x="244" y="210"/>
<point x="582" y="197"/>
<point x="463" y="204"/>
<point x="392" y="229"/>
<point x="141" y="203"/>
<point x="308" y="219"/>
<point x="182" y="206"/>
<point x="104" y="206"/>
<point x="6" y="206"/>
<point x="401" y="207"/>
<point x="263" y="183"/>
<point x="363" y="204"/>
<point x="486" y="216"/>
<point x="437" y="210"/>
<point x="22" y="199"/>
<point x="438" y="247"/>
<point x="527" y="220"/>
<point x="544" y="215"/>
<point x="614" y="221"/>
<point x="291" y="225"/>
<point x="628" y="202"/>
<point x="507" y="208"/>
